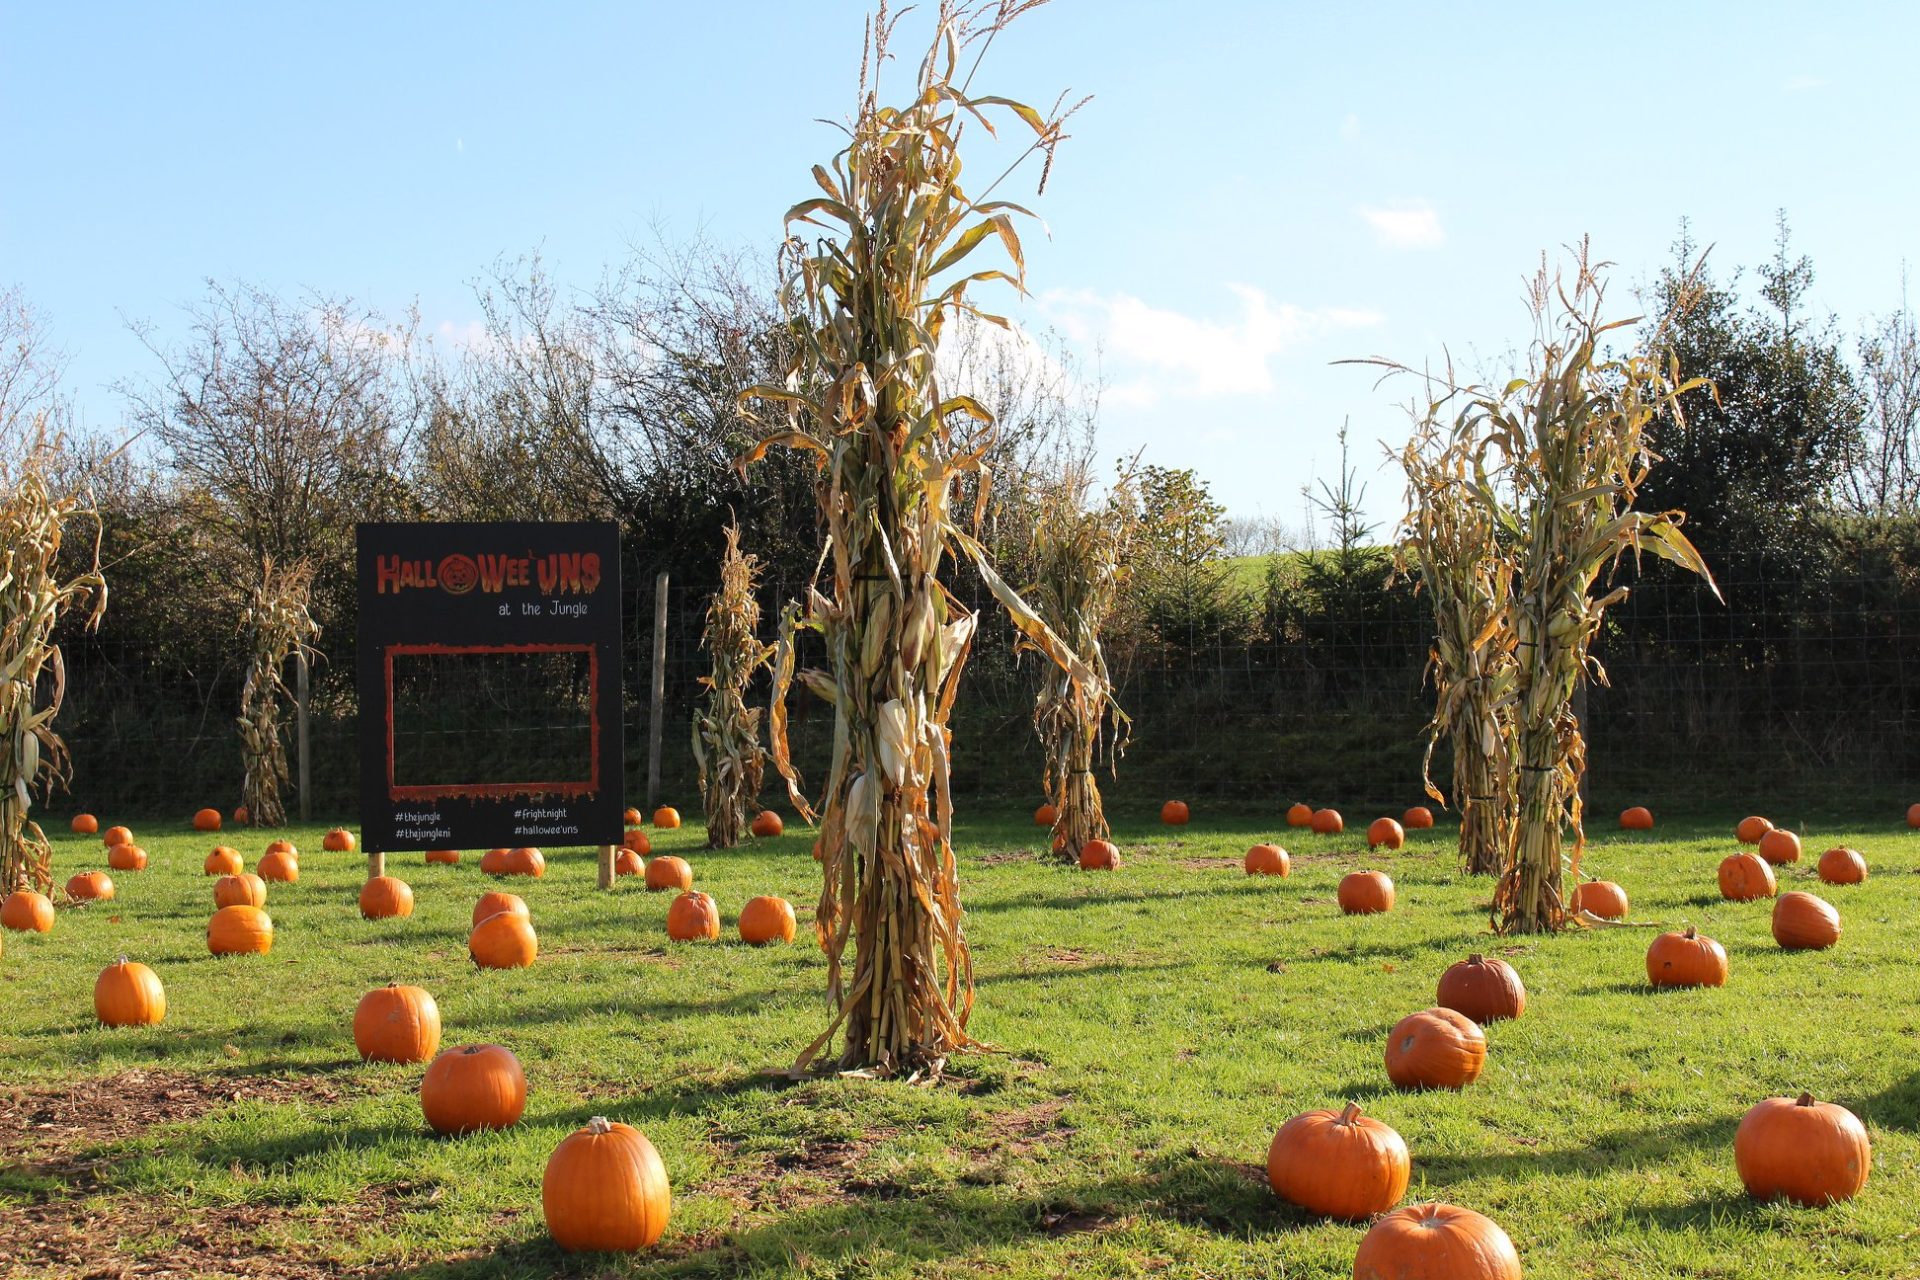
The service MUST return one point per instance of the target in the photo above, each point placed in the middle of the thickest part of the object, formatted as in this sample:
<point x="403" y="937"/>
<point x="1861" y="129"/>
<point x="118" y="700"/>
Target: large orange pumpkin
<point x="90" y="886"/>
<point x="628" y="863"/>
<point x="1267" y="860"/>
<point x="1843" y="866"/>
<point x="278" y="865"/>
<point x="1751" y="829"/>
<point x="693" y="917"/>
<point x="1365" y="893"/>
<point x="503" y="941"/>
<point x="492" y="904"/>
<point x="1099" y="855"/>
<point x="514" y="862"/>
<point x="396" y="1024"/>
<point x="1812" y="1153"/>
<point x="1802" y="922"/>
<point x="1328" y="822"/>
<point x="1483" y="989"/>
<point x="1418" y="818"/>
<point x="127" y="857"/>
<point x="473" y="1087"/>
<point x="1435" y="1049"/>
<point x="238" y="930"/>
<point x="1339" y="1164"/>
<point x="1174" y="813"/>
<point x="241" y="889"/>
<point x="666" y="817"/>
<point x="1602" y="898"/>
<point x="1385" y="831"/>
<point x="669" y="872"/>
<point x="128" y="994"/>
<point x="207" y="820"/>
<point x="1686" y="959"/>
<point x="637" y="842"/>
<point x="338" y="840"/>
<point x="767" y="824"/>
<point x="1300" y="815"/>
<point x="631" y="818"/>
<point x="1435" y="1242"/>
<point x="445" y="857"/>
<point x="605" y="1190"/>
<point x="1780" y="847"/>
<point x="1638" y="818"/>
<point x="1745" y="877"/>
<point x="766" y="919"/>
<point x="27" y="912"/>
<point x="1045" y="816"/>
<point x="116" y="835"/>
<point x="384" y="897"/>
<point x="85" y="824"/>
<point x="224" y="862"/>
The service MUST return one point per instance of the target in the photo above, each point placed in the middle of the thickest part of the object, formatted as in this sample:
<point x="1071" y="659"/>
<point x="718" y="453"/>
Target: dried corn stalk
<point x="1450" y="542"/>
<point x="726" y="734"/>
<point x="278" y="626"/>
<point x="869" y="299"/>
<point x="1078" y="553"/>
<point x="33" y="598"/>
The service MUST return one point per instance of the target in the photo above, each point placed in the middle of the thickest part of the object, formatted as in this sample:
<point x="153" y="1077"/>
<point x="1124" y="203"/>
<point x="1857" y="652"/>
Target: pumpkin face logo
<point x="458" y="574"/>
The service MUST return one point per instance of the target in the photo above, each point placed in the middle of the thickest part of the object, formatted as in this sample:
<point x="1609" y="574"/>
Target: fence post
<point x="300" y="735"/>
<point x="1581" y="723"/>
<point x="657" y="705"/>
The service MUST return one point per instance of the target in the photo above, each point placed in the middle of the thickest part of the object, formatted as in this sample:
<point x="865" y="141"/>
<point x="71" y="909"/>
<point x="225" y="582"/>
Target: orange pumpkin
<point x="637" y="842"/>
<point x="1780" y="847"/>
<point x="444" y="857"/>
<point x="605" y="1190"/>
<point x="1802" y="922"/>
<point x="1099" y="855"/>
<point x="127" y="857"/>
<point x="207" y="820"/>
<point x="338" y="840"/>
<point x="1686" y="959"/>
<point x="116" y="835"/>
<point x="1751" y="829"/>
<point x="242" y="889"/>
<point x="1045" y="816"/>
<point x="385" y="897"/>
<point x="240" y="815"/>
<point x="1418" y="818"/>
<point x="1328" y="822"/>
<point x="766" y="919"/>
<point x="1300" y="815"/>
<point x="1745" y="877"/>
<point x="1602" y="898"/>
<point x="1435" y="1049"/>
<point x="85" y="824"/>
<point x="1338" y="1164"/>
<point x="283" y="846"/>
<point x="1385" y="831"/>
<point x="492" y="904"/>
<point x="1812" y="1153"/>
<point x="1913" y="815"/>
<point x="1435" y="1242"/>
<point x="628" y="863"/>
<point x="1484" y="990"/>
<point x="128" y="994"/>
<point x="666" y="818"/>
<point x="224" y="862"/>
<point x="239" y="930"/>
<point x="27" y="912"/>
<point x="514" y="862"/>
<point x="90" y="886"/>
<point x="503" y="941"/>
<point x="1365" y="893"/>
<point x="1638" y="818"/>
<point x="693" y="917"/>
<point x="1174" y="813"/>
<point x="278" y="865"/>
<point x="767" y="824"/>
<point x="396" y="1024"/>
<point x="631" y="818"/>
<point x="1843" y="866"/>
<point x="1267" y="860"/>
<point x="669" y="872"/>
<point x="473" y="1087"/>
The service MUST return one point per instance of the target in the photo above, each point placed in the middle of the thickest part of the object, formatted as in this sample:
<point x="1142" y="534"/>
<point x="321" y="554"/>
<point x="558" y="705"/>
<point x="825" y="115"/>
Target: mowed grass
<point x="1153" y="1027"/>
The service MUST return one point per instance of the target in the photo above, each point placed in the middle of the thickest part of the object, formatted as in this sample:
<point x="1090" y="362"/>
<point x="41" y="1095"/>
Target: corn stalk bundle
<point x="726" y="733"/>
<point x="869" y="298"/>
<point x="1450" y="542"/>
<point x="33" y="597"/>
<point x="1571" y="437"/>
<point x="1078" y="556"/>
<point x="277" y="626"/>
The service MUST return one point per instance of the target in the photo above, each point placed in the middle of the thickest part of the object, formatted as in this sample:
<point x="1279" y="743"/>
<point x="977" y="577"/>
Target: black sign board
<point x="489" y="681"/>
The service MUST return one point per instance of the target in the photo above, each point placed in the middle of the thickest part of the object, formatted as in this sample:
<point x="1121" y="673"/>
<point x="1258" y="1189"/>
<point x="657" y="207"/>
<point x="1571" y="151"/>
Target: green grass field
<point x="1152" y="1027"/>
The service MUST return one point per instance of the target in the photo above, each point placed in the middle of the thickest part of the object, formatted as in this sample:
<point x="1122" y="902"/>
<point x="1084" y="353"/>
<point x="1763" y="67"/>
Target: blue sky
<point x="1257" y="190"/>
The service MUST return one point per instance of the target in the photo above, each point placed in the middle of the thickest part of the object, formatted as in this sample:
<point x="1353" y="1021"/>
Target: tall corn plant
<point x="1450" y="542"/>
<point x="726" y="732"/>
<point x="1078" y="556"/>
<point x="34" y="520"/>
<point x="277" y="626"/>
<point x="1569" y="440"/>
<point x="869" y="298"/>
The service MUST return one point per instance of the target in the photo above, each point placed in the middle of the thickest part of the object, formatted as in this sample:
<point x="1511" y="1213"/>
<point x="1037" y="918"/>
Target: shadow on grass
<point x="1073" y="971"/>
<point x="1896" y="1107"/>
<point x="1633" y="1148"/>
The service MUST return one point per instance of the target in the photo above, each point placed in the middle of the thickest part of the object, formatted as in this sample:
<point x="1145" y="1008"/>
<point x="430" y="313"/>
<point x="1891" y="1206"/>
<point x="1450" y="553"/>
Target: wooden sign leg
<point x="606" y="866"/>
<point x="376" y="865"/>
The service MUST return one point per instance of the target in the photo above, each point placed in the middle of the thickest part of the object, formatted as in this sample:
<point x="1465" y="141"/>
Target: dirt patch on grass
<point x="1008" y="855"/>
<point x="1213" y="864"/>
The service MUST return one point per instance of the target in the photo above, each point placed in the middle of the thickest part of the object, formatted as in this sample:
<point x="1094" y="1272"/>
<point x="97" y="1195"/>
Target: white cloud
<point x="1155" y="351"/>
<point x="1802" y="83"/>
<point x="1405" y="224"/>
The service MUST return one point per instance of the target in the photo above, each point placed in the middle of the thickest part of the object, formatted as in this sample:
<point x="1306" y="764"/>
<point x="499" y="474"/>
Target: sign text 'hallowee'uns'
<point x="562" y="573"/>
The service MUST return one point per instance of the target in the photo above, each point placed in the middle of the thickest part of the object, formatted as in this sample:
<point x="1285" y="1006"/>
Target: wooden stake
<point x="657" y="705"/>
<point x="606" y="866"/>
<point x="376" y="864"/>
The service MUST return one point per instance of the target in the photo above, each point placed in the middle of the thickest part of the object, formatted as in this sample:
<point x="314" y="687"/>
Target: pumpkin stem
<point x="1350" y="1114"/>
<point x="1476" y="958"/>
<point x="1691" y="933"/>
<point x="599" y="1125"/>
<point x="123" y="959"/>
<point x="1804" y="1100"/>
